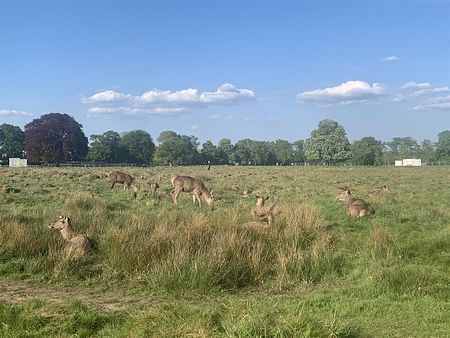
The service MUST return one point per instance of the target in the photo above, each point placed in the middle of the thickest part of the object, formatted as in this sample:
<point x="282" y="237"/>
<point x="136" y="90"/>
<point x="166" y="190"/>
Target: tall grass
<point x="400" y="252"/>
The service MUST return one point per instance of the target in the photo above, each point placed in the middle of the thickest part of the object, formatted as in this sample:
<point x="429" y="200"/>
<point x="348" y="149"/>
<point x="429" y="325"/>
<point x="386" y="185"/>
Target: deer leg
<point x="199" y="201"/>
<point x="175" y="196"/>
<point x="112" y="185"/>
<point x="193" y="199"/>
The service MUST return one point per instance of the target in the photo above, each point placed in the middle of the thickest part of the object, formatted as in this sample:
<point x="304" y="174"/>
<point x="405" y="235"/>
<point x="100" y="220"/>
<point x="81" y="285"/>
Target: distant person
<point x="209" y="165"/>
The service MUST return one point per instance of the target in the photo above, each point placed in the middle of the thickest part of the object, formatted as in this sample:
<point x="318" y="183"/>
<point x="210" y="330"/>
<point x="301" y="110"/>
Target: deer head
<point x="61" y="223"/>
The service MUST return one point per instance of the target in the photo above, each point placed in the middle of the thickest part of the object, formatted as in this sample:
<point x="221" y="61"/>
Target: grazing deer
<point x="125" y="179"/>
<point x="356" y="207"/>
<point x="193" y="186"/>
<point x="382" y="190"/>
<point x="75" y="245"/>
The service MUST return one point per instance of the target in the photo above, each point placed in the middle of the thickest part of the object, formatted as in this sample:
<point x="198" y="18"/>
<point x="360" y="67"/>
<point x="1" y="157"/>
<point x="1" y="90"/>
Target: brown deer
<point x="153" y="187"/>
<point x="382" y="190"/>
<point x="263" y="214"/>
<point x="356" y="207"/>
<point x="194" y="186"/>
<point x="125" y="179"/>
<point x="75" y="245"/>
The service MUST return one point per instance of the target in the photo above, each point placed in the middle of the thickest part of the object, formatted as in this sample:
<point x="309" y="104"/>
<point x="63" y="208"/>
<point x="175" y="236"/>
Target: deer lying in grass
<point x="193" y="186"/>
<point x="75" y="245"/>
<point x="125" y="179"/>
<point x="382" y="190"/>
<point x="263" y="214"/>
<point x="356" y="207"/>
<point x="153" y="186"/>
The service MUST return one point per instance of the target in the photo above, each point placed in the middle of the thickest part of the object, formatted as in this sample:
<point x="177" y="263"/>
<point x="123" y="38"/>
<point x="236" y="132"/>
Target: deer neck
<point x="207" y="196"/>
<point x="260" y="203"/>
<point x="67" y="233"/>
<point x="349" y="200"/>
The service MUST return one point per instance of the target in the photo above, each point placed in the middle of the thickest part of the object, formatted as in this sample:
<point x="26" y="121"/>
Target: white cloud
<point x="165" y="102"/>
<point x="430" y="91"/>
<point x="414" y="90"/>
<point x="106" y="96"/>
<point x="345" y="93"/>
<point x="14" y="112"/>
<point x="391" y="58"/>
<point x="189" y="95"/>
<point x="137" y="111"/>
<point x="415" y="85"/>
<point x="195" y="126"/>
<point x="435" y="103"/>
<point x="227" y="93"/>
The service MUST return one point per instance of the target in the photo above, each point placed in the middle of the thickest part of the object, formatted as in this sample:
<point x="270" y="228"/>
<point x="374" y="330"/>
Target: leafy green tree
<point x="367" y="151"/>
<point x="55" y="137"/>
<point x="212" y="153"/>
<point x="328" y="143"/>
<point x="283" y="151"/>
<point x="404" y="147"/>
<point x="106" y="147"/>
<point x="299" y="151"/>
<point x="12" y="142"/>
<point x="427" y="151"/>
<point x="177" y="149"/>
<point x="139" y="145"/>
<point x="443" y="146"/>
<point x="261" y="153"/>
<point x="241" y="153"/>
<point x="226" y="148"/>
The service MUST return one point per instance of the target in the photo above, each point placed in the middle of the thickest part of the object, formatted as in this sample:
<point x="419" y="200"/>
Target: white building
<point x="17" y="163"/>
<point x="409" y="162"/>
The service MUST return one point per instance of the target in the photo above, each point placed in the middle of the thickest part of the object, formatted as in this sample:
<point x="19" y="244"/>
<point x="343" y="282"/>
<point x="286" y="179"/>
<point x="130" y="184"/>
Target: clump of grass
<point x="25" y="241"/>
<point x="83" y="201"/>
<point x="380" y="246"/>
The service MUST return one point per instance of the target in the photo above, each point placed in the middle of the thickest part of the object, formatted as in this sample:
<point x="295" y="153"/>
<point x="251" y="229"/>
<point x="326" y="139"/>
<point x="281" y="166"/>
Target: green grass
<point x="316" y="273"/>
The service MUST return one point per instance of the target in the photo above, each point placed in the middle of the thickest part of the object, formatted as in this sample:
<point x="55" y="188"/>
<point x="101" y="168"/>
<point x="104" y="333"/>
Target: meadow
<point x="162" y="270"/>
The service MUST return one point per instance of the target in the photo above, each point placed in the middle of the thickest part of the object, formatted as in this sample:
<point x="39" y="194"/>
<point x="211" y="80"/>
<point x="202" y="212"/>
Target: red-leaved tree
<point x="54" y="138"/>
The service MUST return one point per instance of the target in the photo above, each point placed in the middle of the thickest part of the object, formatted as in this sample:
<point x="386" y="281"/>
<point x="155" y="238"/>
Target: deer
<point x="75" y="245"/>
<point x="153" y="187"/>
<point x="194" y="186"/>
<point x="382" y="190"/>
<point x="125" y="179"/>
<point x="356" y="207"/>
<point x="263" y="214"/>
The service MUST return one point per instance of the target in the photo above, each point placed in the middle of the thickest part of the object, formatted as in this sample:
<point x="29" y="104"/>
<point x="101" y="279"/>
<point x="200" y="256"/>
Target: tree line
<point x="59" y="138"/>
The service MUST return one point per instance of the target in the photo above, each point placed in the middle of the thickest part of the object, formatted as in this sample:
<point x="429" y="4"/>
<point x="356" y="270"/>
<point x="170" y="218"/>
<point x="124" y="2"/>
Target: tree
<point x="241" y="153"/>
<point x="366" y="151"/>
<point x="106" y="148"/>
<point x="404" y="147"/>
<point x="55" y="137"/>
<point x="328" y="143"/>
<point x="427" y="151"/>
<point x="443" y="146"/>
<point x="283" y="152"/>
<point x="212" y="153"/>
<point x="177" y="149"/>
<point x="299" y="151"/>
<point x="139" y="146"/>
<point x="226" y="148"/>
<point x="12" y="142"/>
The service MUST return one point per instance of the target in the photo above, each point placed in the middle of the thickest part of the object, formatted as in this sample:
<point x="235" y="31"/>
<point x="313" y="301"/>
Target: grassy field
<point x="167" y="271"/>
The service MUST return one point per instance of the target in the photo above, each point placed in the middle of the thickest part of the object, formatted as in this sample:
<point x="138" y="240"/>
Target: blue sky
<point x="261" y="70"/>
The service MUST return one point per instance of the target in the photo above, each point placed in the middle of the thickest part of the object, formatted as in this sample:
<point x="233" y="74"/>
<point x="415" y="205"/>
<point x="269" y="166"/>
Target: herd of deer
<point x="81" y="245"/>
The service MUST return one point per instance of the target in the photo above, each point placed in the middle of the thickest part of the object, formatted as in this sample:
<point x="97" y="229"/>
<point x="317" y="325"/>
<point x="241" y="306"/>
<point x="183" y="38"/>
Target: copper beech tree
<point x="55" y="138"/>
